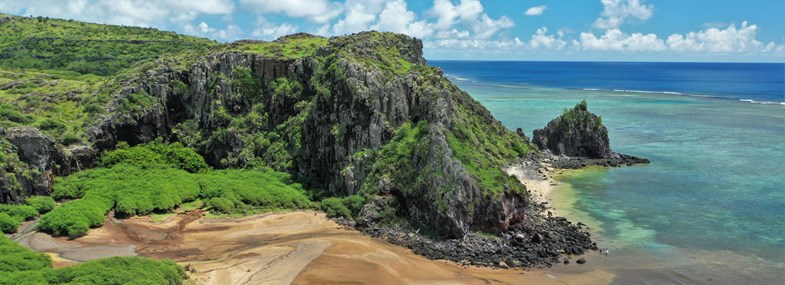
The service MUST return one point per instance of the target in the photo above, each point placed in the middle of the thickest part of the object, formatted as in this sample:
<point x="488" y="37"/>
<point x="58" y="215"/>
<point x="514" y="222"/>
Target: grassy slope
<point x="56" y="74"/>
<point x="54" y="44"/>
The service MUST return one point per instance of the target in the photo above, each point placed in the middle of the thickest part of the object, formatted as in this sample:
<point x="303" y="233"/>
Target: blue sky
<point x="626" y="30"/>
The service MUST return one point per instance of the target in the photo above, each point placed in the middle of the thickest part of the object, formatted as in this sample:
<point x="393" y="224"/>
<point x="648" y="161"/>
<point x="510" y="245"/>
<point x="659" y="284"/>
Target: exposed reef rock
<point x="580" y="139"/>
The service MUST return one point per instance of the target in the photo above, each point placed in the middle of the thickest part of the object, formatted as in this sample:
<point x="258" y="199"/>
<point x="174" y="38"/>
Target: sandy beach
<point x="280" y="248"/>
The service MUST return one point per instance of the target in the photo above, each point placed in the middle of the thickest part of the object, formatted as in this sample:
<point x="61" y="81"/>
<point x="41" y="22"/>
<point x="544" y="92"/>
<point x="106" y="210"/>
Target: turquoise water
<point x="709" y="209"/>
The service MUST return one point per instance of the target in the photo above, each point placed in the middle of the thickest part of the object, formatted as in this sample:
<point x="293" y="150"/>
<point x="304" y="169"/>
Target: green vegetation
<point x="579" y="117"/>
<point x="347" y="207"/>
<point x="11" y="216"/>
<point x="53" y="101"/>
<point x="19" y="265"/>
<point x="380" y="50"/>
<point x="156" y="153"/>
<point x="42" y="204"/>
<point x="129" y="187"/>
<point x="395" y="161"/>
<point x="289" y="47"/>
<point x="54" y="44"/>
<point x="484" y="146"/>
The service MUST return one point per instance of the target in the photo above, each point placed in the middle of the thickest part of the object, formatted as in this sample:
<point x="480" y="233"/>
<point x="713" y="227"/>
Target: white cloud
<point x="269" y="31"/>
<point x="535" y="11"/>
<point x="447" y="12"/>
<point x="618" y="12"/>
<point x="730" y="39"/>
<point x="487" y="27"/>
<point x="320" y="11"/>
<point x="358" y="16"/>
<point x="396" y="17"/>
<point x="541" y="39"/>
<point x="616" y="40"/>
<point x="204" y="28"/>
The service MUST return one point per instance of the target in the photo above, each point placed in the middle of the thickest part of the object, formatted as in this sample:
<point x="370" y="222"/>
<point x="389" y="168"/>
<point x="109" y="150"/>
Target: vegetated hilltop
<point x="55" y="44"/>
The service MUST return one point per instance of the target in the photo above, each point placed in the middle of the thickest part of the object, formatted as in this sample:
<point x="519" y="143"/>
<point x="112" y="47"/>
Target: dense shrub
<point x="20" y="265"/>
<point x="23" y="212"/>
<point x="76" y="217"/>
<point x="343" y="207"/>
<point x="15" y="257"/>
<point x="221" y="204"/>
<point x="259" y="188"/>
<point x="334" y="207"/>
<point x="8" y="224"/>
<point x="42" y="204"/>
<point x="130" y="188"/>
<point x="154" y="153"/>
<point x="121" y="270"/>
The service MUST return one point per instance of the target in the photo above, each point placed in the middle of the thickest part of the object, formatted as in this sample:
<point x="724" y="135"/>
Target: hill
<point x="55" y="44"/>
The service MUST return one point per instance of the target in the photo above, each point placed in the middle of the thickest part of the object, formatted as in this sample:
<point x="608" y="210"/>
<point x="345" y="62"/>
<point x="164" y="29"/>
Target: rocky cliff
<point x="355" y="114"/>
<point x="30" y="160"/>
<point x="580" y="136"/>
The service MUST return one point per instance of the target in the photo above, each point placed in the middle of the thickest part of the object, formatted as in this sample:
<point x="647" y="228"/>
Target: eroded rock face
<point x="576" y="133"/>
<point x="340" y="107"/>
<point x="32" y="160"/>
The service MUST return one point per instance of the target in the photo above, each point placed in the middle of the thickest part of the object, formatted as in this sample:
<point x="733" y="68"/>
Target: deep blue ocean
<point x="709" y="209"/>
<point x="761" y="82"/>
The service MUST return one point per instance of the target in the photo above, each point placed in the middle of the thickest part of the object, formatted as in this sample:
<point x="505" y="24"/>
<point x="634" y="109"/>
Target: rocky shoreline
<point x="540" y="241"/>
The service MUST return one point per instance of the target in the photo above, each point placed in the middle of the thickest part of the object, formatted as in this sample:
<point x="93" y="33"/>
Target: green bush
<point x="157" y="153"/>
<point x="8" y="224"/>
<point x="131" y="189"/>
<point x="20" y="265"/>
<point x="346" y="207"/>
<point x="221" y="204"/>
<point x="42" y="204"/>
<point x="22" y="212"/>
<point x="121" y="270"/>
<point x="334" y="207"/>
<point x="354" y="203"/>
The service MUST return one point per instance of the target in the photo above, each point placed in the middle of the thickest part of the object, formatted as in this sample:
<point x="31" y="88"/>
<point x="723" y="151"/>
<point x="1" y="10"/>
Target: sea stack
<point x="578" y="133"/>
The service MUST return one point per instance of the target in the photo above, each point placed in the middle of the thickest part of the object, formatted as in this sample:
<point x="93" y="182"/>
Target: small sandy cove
<point x="280" y="248"/>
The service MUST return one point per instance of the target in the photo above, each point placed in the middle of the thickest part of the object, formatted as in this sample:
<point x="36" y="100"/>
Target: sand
<point x="281" y="248"/>
<point x="538" y="178"/>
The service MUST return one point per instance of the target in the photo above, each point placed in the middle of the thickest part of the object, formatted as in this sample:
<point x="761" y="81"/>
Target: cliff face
<point x="576" y="133"/>
<point x="356" y="114"/>
<point x="30" y="160"/>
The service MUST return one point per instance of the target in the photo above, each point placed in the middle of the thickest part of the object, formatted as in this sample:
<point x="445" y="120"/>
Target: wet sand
<point x="281" y="248"/>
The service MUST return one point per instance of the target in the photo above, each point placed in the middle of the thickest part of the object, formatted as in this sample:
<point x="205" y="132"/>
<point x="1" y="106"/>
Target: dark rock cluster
<point x="32" y="160"/>
<point x="580" y="139"/>
<point x="540" y="241"/>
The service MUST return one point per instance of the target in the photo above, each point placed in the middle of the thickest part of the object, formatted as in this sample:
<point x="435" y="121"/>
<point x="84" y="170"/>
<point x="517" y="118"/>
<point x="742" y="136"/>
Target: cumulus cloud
<point x="268" y="30"/>
<point x="396" y="17"/>
<point x="320" y="11"/>
<point x="358" y="16"/>
<point x="541" y="39"/>
<point x="447" y="13"/>
<point x="535" y="11"/>
<point x="617" y="12"/>
<point x="731" y="39"/>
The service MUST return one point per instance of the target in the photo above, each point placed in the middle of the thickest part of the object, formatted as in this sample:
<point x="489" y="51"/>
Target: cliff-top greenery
<point x="55" y="44"/>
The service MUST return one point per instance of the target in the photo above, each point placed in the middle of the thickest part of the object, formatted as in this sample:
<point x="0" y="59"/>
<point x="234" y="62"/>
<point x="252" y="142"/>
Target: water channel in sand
<point x="280" y="248"/>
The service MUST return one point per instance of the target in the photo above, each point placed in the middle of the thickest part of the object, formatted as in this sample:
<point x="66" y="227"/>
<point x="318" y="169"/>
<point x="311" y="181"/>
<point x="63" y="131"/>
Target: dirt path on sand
<point x="286" y="248"/>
